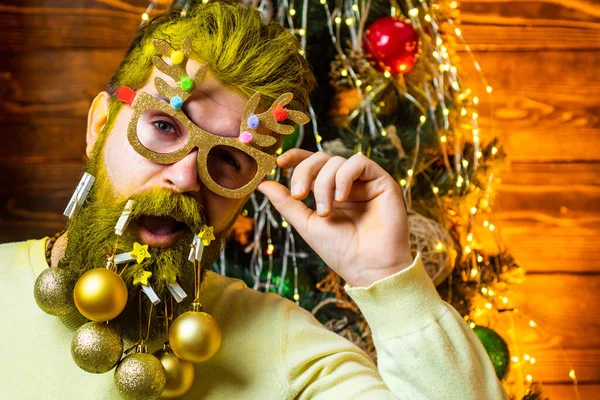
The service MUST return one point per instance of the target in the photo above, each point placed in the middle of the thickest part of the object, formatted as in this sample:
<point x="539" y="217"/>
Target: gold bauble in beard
<point x="96" y="347"/>
<point x="100" y="294"/>
<point x="180" y="373"/>
<point x="140" y="376"/>
<point x="195" y="336"/>
<point x="53" y="292"/>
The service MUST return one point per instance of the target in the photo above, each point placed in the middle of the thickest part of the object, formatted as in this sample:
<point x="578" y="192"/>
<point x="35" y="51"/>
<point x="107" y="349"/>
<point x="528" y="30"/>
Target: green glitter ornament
<point x="496" y="348"/>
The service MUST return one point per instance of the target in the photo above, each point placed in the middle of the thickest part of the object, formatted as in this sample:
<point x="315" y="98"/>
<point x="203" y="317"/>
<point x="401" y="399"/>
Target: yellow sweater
<point x="272" y="349"/>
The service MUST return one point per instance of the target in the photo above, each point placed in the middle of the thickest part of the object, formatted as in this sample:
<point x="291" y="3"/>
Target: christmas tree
<point x="391" y="87"/>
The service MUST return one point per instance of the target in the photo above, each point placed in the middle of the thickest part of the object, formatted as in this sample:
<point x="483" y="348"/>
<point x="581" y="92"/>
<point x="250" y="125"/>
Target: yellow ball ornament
<point x="195" y="336"/>
<point x="96" y="347"/>
<point x="177" y="57"/>
<point x="140" y="376"/>
<point x="180" y="373"/>
<point x="100" y="295"/>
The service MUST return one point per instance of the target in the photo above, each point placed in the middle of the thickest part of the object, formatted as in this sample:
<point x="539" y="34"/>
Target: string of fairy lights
<point x="422" y="16"/>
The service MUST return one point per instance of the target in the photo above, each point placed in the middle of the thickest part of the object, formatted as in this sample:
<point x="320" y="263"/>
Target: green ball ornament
<point x="140" y="376"/>
<point x="496" y="348"/>
<point x="96" y="347"/>
<point x="53" y="292"/>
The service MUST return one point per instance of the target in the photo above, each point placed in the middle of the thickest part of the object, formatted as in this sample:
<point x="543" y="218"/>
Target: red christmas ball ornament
<point x="393" y="43"/>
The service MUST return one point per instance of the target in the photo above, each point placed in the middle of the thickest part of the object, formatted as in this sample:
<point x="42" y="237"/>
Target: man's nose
<point x="182" y="176"/>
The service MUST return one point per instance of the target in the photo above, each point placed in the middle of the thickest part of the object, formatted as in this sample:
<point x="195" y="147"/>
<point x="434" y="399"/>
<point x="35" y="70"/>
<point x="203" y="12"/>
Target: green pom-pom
<point x="496" y="348"/>
<point x="186" y="84"/>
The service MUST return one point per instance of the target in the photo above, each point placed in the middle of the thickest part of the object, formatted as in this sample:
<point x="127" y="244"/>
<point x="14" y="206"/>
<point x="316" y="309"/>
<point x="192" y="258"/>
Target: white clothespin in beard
<point x="151" y="294"/>
<point x="125" y="218"/>
<point x="80" y="194"/>
<point x="176" y="291"/>
<point x="197" y="248"/>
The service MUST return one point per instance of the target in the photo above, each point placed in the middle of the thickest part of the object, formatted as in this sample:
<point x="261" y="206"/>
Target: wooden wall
<point x="541" y="57"/>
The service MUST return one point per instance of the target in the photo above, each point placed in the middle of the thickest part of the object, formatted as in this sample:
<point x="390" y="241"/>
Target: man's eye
<point x="164" y="126"/>
<point x="228" y="158"/>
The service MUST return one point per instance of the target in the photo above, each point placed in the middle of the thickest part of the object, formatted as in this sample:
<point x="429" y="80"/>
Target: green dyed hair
<point x="244" y="53"/>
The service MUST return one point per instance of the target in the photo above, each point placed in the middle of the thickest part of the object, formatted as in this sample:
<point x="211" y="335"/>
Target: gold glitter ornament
<point x="195" y="336"/>
<point x="100" y="294"/>
<point x="180" y="373"/>
<point x="140" y="376"/>
<point x="96" y="347"/>
<point x="53" y="292"/>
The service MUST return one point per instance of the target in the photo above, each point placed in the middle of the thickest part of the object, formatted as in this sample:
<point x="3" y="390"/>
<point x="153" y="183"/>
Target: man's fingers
<point x="357" y="167"/>
<point x="295" y="211"/>
<point x="292" y="158"/>
<point x="305" y="173"/>
<point x="325" y="184"/>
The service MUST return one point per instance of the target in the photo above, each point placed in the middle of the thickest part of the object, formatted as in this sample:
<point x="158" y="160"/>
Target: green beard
<point x="92" y="240"/>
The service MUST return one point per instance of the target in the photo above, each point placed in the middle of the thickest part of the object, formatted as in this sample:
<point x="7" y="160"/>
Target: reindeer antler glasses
<point x="162" y="133"/>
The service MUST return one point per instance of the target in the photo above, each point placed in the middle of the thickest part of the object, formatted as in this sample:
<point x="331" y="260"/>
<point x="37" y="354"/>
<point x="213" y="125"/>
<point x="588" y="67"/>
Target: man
<point x="188" y="154"/>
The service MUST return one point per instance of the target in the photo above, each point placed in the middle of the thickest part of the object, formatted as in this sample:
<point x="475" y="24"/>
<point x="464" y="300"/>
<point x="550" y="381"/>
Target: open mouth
<point x="160" y="231"/>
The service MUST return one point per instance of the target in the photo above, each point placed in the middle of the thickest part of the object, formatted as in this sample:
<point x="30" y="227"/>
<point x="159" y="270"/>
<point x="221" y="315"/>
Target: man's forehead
<point x="211" y="87"/>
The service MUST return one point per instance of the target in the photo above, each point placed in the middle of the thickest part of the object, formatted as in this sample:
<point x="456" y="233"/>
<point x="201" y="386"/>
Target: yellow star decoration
<point x="140" y="252"/>
<point x="142" y="278"/>
<point x="206" y="235"/>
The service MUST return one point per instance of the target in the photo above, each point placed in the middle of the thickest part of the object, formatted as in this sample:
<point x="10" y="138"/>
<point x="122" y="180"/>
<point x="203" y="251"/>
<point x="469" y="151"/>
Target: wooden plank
<point x="549" y="215"/>
<point x="566" y="318"/>
<point x="568" y="391"/>
<point x="544" y="111"/>
<point x="530" y="25"/>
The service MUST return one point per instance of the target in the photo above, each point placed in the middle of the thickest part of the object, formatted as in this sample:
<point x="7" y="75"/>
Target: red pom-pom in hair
<point x="279" y="113"/>
<point x="126" y="94"/>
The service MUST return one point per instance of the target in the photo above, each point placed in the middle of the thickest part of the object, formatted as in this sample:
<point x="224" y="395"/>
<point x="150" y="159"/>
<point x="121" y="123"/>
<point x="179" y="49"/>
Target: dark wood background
<point x="541" y="57"/>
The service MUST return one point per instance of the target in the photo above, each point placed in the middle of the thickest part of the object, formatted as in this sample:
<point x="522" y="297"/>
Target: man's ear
<point x="97" y="118"/>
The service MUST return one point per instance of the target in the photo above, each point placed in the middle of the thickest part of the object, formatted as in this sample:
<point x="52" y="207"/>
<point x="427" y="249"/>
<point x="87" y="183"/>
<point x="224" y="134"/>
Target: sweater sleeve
<point x="425" y="350"/>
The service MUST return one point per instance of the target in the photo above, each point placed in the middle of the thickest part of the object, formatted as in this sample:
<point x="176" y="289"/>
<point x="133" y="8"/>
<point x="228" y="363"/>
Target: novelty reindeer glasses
<point x="161" y="132"/>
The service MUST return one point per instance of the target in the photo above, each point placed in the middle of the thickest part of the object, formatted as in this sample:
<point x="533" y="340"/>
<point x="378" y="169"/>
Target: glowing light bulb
<point x="526" y="357"/>
<point x="532" y="360"/>
<point x="486" y="223"/>
<point x="475" y="100"/>
<point x="355" y="7"/>
<point x="484" y="290"/>
<point x="439" y="246"/>
<point x="465" y="163"/>
<point x="479" y="154"/>
<point x="358" y="83"/>
<point x="457" y="31"/>
<point x="270" y="249"/>
<point x="463" y="112"/>
<point x="436" y="190"/>
<point x="384" y="133"/>
<point x="409" y="172"/>
<point x="413" y="12"/>
<point x="467" y="249"/>
<point x="323" y="2"/>
<point x="422" y="119"/>
<point x="529" y="378"/>
<point x="470" y="237"/>
<point x="515" y="359"/>
<point x="488" y="306"/>
<point x="531" y="323"/>
<point x="344" y="72"/>
<point x="473" y="273"/>
<point x="145" y="17"/>
<point x="387" y="74"/>
<point x="296" y="297"/>
<point x="443" y="139"/>
<point x="492" y="227"/>
<point x="338" y="20"/>
<point x="349" y="21"/>
<point x="285" y="224"/>
<point x="572" y="374"/>
<point x="505" y="300"/>
<point x="427" y="17"/>
<point x="488" y="89"/>
<point x="479" y="258"/>
<point x="403" y="182"/>
<point x="292" y="12"/>
<point x="473" y="210"/>
<point x="472" y="325"/>
<point x="301" y="31"/>
<point x="318" y="138"/>
<point x="494" y="150"/>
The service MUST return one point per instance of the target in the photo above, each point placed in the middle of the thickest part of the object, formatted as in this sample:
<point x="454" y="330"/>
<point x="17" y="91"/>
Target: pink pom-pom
<point x="279" y="113"/>
<point x="245" y="137"/>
